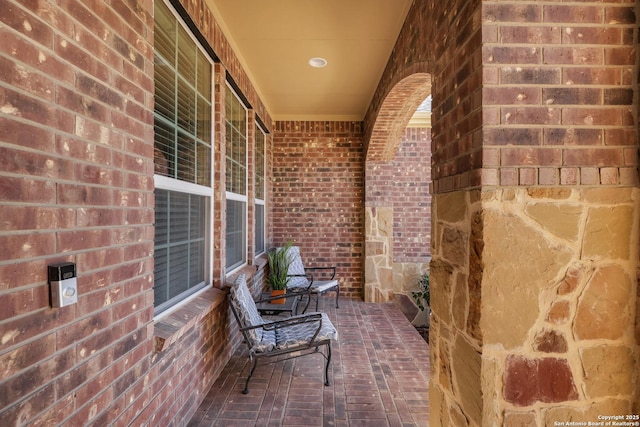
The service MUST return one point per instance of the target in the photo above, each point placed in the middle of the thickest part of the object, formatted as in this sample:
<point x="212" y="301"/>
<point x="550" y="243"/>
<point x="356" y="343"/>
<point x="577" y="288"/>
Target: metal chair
<point x="310" y="280"/>
<point x="294" y="336"/>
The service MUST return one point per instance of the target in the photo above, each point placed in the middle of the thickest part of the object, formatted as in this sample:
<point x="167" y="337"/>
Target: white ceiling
<point x="274" y="39"/>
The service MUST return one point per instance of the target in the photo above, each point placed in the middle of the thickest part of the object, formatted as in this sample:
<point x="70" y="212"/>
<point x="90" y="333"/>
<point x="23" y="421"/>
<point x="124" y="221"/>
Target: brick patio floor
<point x="379" y="377"/>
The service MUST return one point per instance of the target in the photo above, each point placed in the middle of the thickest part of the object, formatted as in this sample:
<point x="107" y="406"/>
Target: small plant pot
<point x="277" y="292"/>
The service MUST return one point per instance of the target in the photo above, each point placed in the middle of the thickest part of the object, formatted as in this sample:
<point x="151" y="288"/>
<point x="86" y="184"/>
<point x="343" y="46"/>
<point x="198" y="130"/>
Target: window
<point x="236" y="180"/>
<point x="259" y="175"/>
<point x="182" y="162"/>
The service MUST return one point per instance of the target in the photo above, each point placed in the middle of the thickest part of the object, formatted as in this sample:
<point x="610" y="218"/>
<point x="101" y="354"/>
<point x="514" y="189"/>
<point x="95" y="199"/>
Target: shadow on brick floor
<point x="379" y="377"/>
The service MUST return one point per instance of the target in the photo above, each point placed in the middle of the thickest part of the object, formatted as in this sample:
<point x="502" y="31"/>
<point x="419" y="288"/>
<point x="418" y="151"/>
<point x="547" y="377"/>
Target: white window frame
<point x="241" y="197"/>
<point x="172" y="184"/>
<point x="258" y="201"/>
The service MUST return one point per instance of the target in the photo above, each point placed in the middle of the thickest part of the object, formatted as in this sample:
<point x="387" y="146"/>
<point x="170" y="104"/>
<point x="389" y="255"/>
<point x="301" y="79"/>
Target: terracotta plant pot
<point x="275" y="293"/>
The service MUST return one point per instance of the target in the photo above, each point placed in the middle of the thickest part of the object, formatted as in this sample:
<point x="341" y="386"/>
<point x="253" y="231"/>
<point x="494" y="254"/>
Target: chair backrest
<point x="296" y="267"/>
<point x="245" y="310"/>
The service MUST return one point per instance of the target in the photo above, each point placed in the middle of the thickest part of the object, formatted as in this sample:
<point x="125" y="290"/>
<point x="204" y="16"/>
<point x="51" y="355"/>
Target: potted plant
<point x="278" y="271"/>
<point x="422" y="298"/>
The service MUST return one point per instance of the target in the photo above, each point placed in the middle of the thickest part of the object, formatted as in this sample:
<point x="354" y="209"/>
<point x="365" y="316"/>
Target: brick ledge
<point x="170" y="328"/>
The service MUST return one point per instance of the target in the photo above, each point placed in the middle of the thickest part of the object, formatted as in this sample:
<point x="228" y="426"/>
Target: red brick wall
<point x="76" y="184"/>
<point x="451" y="52"/>
<point x="487" y="91"/>
<point x="411" y="198"/>
<point x="317" y="198"/>
<point x="558" y="100"/>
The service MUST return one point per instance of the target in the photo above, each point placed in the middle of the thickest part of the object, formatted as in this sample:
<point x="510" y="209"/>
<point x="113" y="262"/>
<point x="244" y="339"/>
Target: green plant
<point x="422" y="296"/>
<point x="279" y="267"/>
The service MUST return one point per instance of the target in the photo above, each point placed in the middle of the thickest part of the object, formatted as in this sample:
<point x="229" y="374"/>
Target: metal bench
<point x="294" y="336"/>
<point x="309" y="280"/>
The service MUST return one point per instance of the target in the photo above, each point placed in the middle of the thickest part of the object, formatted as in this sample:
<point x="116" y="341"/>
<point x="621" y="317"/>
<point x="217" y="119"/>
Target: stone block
<point x="370" y="271"/>
<point x="384" y="221"/>
<point x="562" y="220"/>
<point x="511" y="287"/>
<point x="550" y="341"/>
<point x="604" y="308"/>
<point x="608" y="195"/>
<point x="573" y="278"/>
<point x="549" y="193"/>
<point x="456" y="417"/>
<point x="474" y="280"/>
<point x="491" y="388"/>
<point x="548" y="380"/>
<point x="559" y="312"/>
<point x="604" y="378"/>
<point x="385" y="276"/>
<point x="608" y="233"/>
<point x="444" y="365"/>
<point x="556" y="382"/>
<point x="520" y="381"/>
<point x="441" y="278"/>
<point x="467" y="366"/>
<point x="373" y="248"/>
<point x="451" y="207"/>
<point x="369" y="221"/>
<point x="459" y="303"/>
<point x="455" y="246"/>
<point x="435" y="404"/>
<point x="519" y="419"/>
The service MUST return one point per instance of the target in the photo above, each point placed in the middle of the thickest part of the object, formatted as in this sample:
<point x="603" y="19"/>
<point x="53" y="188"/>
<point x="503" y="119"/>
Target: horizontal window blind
<point x="182" y="161"/>
<point x="183" y="105"/>
<point x="180" y="238"/>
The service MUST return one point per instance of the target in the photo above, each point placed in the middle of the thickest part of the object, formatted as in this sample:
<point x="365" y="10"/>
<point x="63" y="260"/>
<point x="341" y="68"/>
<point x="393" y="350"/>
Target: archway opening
<point x="397" y="195"/>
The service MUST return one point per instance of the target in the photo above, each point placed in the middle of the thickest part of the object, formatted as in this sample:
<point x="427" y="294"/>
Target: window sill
<point x="173" y="326"/>
<point x="248" y="270"/>
<point x="170" y="328"/>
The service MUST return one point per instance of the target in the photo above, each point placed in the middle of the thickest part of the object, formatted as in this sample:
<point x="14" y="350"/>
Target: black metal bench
<point x="310" y="281"/>
<point x="295" y="336"/>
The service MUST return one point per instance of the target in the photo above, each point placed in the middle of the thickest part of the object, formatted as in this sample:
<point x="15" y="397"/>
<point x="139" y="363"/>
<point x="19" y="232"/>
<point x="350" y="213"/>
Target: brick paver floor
<point x="379" y="377"/>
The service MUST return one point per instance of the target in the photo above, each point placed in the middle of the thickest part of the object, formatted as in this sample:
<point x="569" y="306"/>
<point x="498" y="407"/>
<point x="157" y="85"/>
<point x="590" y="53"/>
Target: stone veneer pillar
<point x="379" y="254"/>
<point x="534" y="306"/>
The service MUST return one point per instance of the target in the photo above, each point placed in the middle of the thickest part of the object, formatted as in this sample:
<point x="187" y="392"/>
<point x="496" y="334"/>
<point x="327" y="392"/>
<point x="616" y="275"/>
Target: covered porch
<point x="379" y="376"/>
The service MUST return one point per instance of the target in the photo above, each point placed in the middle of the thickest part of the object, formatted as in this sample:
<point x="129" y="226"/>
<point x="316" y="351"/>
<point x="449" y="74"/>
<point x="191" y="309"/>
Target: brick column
<point x="559" y="209"/>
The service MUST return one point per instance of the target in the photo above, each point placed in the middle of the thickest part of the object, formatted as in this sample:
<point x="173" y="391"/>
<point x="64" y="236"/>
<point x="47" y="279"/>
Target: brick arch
<point x="385" y="277"/>
<point x="394" y="114"/>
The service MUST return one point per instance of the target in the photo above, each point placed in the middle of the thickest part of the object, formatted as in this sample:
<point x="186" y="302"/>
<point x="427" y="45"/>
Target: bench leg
<point x="253" y="368"/>
<point x="326" y="366"/>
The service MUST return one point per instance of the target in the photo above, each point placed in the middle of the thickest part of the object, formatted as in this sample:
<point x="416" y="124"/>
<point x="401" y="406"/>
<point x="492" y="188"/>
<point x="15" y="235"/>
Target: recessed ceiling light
<point x="318" y="62"/>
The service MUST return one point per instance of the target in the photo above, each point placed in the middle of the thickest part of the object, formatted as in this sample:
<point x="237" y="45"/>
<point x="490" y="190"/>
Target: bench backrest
<point x="245" y="310"/>
<point x="296" y="267"/>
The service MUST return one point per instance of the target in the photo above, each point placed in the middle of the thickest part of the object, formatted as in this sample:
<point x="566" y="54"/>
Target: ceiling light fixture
<point x="318" y="62"/>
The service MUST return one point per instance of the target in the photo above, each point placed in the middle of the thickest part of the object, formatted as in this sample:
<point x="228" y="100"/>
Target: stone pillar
<point x="534" y="297"/>
<point x="456" y="394"/>
<point x="378" y="275"/>
<point x="558" y="304"/>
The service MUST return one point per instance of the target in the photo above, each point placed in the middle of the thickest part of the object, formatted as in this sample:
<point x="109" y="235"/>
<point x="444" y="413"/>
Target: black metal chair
<point x="310" y="281"/>
<point x="294" y="336"/>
